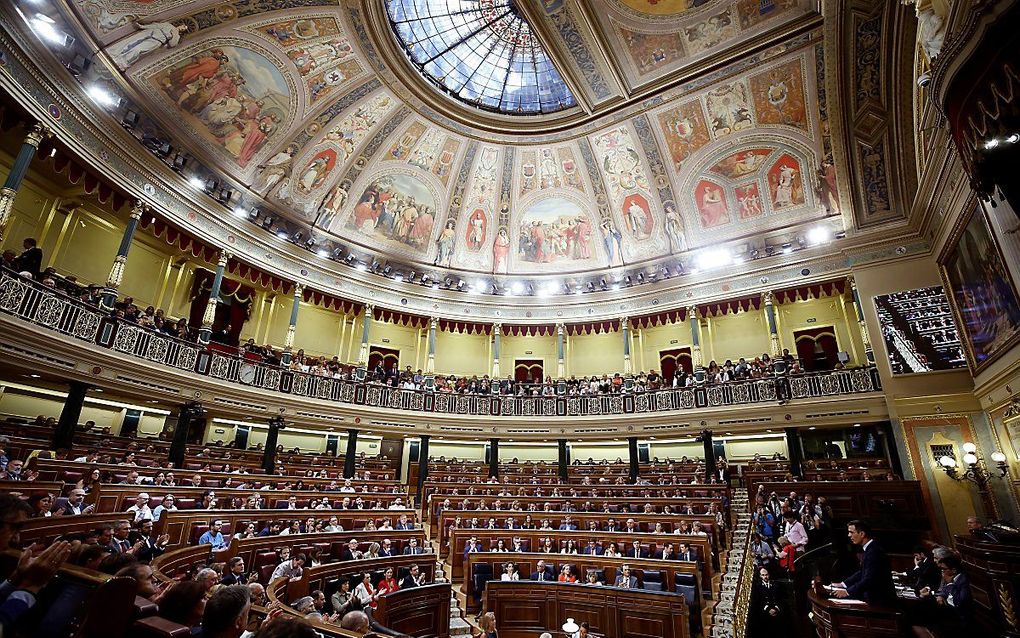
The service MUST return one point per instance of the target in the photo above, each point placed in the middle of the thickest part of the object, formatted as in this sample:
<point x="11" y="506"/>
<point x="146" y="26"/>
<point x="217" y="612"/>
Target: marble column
<point x="214" y="298"/>
<point x="351" y="456"/>
<point x="116" y="276"/>
<point x="696" y="360"/>
<point x="366" y="327"/>
<point x="70" y="414"/>
<point x="272" y="440"/>
<point x="859" y="307"/>
<point x="628" y="367"/>
<point x="497" y="333"/>
<point x="561" y="331"/>
<point x="768" y="302"/>
<point x="29" y="147"/>
<point x="430" y="363"/>
<point x="288" y="343"/>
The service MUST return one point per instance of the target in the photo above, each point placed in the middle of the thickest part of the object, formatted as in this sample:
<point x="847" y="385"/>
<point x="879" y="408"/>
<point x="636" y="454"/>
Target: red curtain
<point x="385" y="356"/>
<point x="672" y="360"/>
<point x="528" y="370"/>
<point x="817" y="348"/>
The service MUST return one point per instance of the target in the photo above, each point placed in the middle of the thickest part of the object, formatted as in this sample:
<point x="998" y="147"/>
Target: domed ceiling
<point x="498" y="136"/>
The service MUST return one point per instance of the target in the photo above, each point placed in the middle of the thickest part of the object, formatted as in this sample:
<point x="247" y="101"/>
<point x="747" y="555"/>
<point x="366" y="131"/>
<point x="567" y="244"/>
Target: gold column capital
<point x="850" y="279"/>
<point x="37" y="134"/>
<point x="299" y="289"/>
<point x="497" y="329"/>
<point x="138" y="209"/>
<point x="768" y="298"/>
<point x="692" y="312"/>
<point x="223" y="258"/>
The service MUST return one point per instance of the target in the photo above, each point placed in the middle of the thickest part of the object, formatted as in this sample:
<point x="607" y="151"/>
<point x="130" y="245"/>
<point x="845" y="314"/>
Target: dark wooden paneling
<point x="525" y="609"/>
<point x="422" y="612"/>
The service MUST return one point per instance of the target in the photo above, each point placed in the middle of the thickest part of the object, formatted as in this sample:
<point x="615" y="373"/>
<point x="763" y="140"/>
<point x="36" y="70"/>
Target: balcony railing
<point x="52" y="309"/>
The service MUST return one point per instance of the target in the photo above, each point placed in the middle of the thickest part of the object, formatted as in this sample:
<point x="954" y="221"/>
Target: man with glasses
<point x="214" y="536"/>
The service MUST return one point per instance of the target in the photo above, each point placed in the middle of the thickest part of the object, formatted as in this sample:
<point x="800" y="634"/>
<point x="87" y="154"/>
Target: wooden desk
<point x="833" y="620"/>
<point x="525" y="609"/>
<point x="700" y="544"/>
<point x="994" y="573"/>
<point x="526" y="565"/>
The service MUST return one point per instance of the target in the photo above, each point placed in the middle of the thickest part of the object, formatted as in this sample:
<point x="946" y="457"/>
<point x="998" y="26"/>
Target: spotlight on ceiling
<point x="787" y="248"/>
<point x="460" y="284"/>
<point x="387" y="270"/>
<point x="309" y="243"/>
<point x="398" y="277"/>
<point x="253" y="214"/>
<point x="603" y="284"/>
<point x="714" y="258"/>
<point x="338" y="253"/>
<point x="322" y="252"/>
<point x="240" y="212"/>
<point x="101" y="96"/>
<point x="410" y="276"/>
<point x="641" y="277"/>
<point x="268" y="221"/>
<point x="196" y="181"/>
<point x="350" y="258"/>
<point x="296" y="237"/>
<point x="819" y="235"/>
<point x="628" y="280"/>
<point x="361" y="266"/>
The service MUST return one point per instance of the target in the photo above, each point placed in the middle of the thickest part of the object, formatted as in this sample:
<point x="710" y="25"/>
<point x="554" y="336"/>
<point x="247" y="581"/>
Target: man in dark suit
<point x="625" y="579"/>
<point x="873" y="582"/>
<point x="954" y="597"/>
<point x="765" y="605"/>
<point x="543" y="572"/>
<point x="76" y="504"/>
<point x="414" y="578"/>
<point x="351" y="551"/>
<point x="386" y="548"/>
<point x="151" y="546"/>
<point x="413" y="548"/>
<point x="31" y="259"/>
<point x="612" y="526"/>
<point x="568" y="524"/>
<point x="636" y="551"/>
<point x="592" y="549"/>
<point x="685" y="552"/>
<point x="925" y="572"/>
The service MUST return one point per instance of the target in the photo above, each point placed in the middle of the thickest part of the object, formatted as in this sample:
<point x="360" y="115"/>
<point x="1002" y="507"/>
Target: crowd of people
<point x="153" y="318"/>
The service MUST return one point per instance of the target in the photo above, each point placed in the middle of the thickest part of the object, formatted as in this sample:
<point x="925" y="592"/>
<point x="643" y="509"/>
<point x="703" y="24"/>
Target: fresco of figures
<point x="396" y="207"/>
<point x="558" y="231"/>
<point x="233" y="97"/>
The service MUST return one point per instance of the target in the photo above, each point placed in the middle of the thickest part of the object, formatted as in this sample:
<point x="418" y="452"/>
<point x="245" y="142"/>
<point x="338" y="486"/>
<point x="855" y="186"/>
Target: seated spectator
<point x="388" y="583"/>
<point x="414" y="578"/>
<point x="76" y="504"/>
<point x="213" y="536"/>
<point x="42" y="505"/>
<point x="625" y="579"/>
<point x="226" y="612"/>
<point x="140" y="510"/>
<point x="356" y="621"/>
<point x="343" y="600"/>
<point x="926" y="573"/>
<point x="292" y="568"/>
<point x="184" y="603"/>
<point x="365" y="593"/>
<point x="142" y="574"/>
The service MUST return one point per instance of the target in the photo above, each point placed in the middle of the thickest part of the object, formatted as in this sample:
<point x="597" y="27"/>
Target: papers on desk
<point x="847" y="601"/>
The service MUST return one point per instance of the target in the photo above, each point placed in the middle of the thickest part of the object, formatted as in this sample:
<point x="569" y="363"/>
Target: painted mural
<point x="711" y="202"/>
<point x="475" y="233"/>
<point x="778" y="96"/>
<point x="233" y="97"/>
<point x="729" y="109"/>
<point x="753" y="12"/>
<point x="749" y="201"/>
<point x="637" y="215"/>
<point x="652" y="51"/>
<point x="396" y="207"/>
<point x="485" y="179"/>
<point x="685" y="131"/>
<point x="549" y="168"/>
<point x="709" y="33"/>
<point x="620" y="162"/>
<point x="435" y="153"/>
<point x="741" y="163"/>
<point x="786" y="183"/>
<point x="293" y="32"/>
<point x="336" y="147"/>
<point x="556" y="230"/>
<point x="401" y="149"/>
<point x="662" y="7"/>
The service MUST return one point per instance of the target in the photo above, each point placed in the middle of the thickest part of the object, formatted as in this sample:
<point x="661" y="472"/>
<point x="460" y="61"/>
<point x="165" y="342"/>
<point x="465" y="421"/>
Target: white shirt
<point x="142" y="513"/>
<point x="513" y="576"/>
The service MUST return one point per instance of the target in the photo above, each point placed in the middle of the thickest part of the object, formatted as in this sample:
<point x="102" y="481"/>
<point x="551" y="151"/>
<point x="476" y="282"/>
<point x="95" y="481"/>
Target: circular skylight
<point x="482" y="52"/>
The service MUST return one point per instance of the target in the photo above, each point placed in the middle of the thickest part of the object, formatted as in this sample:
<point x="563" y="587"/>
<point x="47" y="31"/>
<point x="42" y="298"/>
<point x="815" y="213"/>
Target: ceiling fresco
<point x="287" y="99"/>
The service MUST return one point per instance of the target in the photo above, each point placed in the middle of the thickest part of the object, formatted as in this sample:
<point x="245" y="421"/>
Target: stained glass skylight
<point x="482" y="52"/>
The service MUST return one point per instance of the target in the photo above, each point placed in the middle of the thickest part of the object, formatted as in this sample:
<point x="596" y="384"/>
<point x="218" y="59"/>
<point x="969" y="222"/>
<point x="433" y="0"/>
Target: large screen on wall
<point x="919" y="331"/>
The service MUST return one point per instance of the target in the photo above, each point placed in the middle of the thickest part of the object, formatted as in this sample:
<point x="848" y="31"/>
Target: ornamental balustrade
<point x="53" y="310"/>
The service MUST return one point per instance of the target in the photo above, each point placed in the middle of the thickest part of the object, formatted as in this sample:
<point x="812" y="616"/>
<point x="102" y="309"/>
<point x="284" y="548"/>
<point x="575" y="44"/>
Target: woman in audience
<point x="247" y="532"/>
<point x="388" y="583"/>
<point x="570" y="547"/>
<point x="566" y="575"/>
<point x="365" y="593"/>
<point x="373" y="551"/>
<point x="487" y="623"/>
<point x="510" y="572"/>
<point x="42" y="505"/>
<point x="786" y="554"/>
<point x="343" y="600"/>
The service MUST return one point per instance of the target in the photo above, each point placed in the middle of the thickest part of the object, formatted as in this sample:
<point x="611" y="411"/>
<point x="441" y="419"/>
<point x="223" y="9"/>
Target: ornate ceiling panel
<point x="707" y="122"/>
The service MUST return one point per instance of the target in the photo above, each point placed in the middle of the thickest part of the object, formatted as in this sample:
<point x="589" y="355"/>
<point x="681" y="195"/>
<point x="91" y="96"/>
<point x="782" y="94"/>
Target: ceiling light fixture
<point x="819" y="235"/>
<point x="103" y="97"/>
<point x="714" y="258"/>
